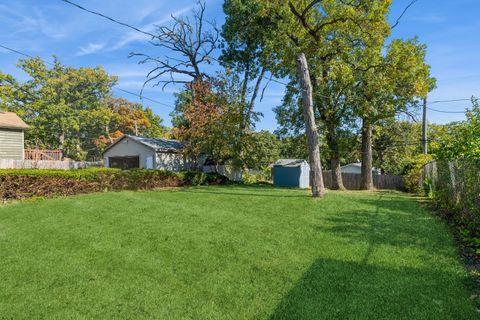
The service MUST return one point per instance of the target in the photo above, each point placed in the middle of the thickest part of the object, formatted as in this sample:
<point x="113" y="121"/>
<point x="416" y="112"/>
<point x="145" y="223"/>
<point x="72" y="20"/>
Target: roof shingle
<point x="9" y="120"/>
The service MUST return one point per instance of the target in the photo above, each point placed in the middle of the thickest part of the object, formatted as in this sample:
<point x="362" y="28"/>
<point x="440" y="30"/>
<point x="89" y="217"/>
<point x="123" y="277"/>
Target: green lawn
<point x="228" y="253"/>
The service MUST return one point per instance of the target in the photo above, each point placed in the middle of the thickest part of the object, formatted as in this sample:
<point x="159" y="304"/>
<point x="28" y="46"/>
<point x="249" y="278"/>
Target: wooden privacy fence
<point x="37" y="154"/>
<point x="47" y="164"/>
<point x="351" y="181"/>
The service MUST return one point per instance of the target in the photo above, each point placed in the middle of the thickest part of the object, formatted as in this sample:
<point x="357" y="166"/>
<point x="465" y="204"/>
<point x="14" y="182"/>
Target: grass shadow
<point x="332" y="289"/>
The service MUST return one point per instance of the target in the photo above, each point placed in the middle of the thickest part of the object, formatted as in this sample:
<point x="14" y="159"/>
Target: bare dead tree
<point x="189" y="42"/>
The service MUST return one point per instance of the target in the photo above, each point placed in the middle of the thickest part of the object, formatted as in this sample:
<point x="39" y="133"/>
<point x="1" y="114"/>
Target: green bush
<point x="20" y="184"/>
<point x="413" y="176"/>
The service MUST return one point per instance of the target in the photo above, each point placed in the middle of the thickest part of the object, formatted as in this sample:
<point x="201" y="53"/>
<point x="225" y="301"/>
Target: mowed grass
<point x="228" y="253"/>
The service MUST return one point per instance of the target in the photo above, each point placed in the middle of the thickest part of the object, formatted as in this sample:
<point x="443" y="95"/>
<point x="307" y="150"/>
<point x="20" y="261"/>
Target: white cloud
<point x="430" y="18"/>
<point x="133" y="36"/>
<point x="90" y="48"/>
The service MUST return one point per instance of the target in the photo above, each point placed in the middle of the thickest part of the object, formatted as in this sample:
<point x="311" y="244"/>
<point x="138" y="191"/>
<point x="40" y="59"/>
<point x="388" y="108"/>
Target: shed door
<point x="149" y="162"/>
<point x="124" y="163"/>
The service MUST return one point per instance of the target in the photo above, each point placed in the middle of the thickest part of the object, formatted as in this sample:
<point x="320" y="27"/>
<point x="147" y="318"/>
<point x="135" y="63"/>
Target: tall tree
<point x="58" y="103"/>
<point x="321" y="30"/>
<point x="388" y="84"/>
<point x="242" y="52"/>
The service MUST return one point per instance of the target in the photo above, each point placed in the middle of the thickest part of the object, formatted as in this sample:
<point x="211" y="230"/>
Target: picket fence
<point x="47" y="164"/>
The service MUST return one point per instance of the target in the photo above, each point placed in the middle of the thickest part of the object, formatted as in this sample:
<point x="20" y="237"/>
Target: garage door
<point x="124" y="163"/>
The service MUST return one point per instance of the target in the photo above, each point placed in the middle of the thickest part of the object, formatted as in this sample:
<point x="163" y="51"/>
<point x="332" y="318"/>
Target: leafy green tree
<point x="72" y="109"/>
<point x="59" y="103"/>
<point x="461" y="140"/>
<point x="326" y="32"/>
<point x="261" y="149"/>
<point x="388" y="83"/>
<point x="242" y="52"/>
<point x="210" y="123"/>
<point x="395" y="145"/>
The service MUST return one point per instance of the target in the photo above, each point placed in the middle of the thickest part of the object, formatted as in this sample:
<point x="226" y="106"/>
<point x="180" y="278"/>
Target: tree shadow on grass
<point x="332" y="289"/>
<point x="395" y="222"/>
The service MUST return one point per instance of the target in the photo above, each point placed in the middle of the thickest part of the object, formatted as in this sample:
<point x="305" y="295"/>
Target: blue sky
<point x="451" y="29"/>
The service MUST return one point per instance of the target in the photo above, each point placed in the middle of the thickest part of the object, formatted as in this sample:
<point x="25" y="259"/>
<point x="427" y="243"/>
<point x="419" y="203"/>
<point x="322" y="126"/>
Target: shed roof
<point x="157" y="144"/>
<point x="356" y="165"/>
<point x="290" y="163"/>
<point x="9" y="120"/>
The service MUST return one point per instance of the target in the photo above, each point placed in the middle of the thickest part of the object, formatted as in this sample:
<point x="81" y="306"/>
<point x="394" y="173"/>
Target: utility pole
<point x="424" y="127"/>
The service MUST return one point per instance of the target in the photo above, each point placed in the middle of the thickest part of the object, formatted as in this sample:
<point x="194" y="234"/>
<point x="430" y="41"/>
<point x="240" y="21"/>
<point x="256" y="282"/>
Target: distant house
<point x="356" y="168"/>
<point x="131" y="152"/>
<point x="12" y="138"/>
<point x="291" y="173"/>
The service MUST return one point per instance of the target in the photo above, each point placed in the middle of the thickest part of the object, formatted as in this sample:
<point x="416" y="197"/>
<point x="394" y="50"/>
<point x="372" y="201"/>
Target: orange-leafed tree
<point x="210" y="123"/>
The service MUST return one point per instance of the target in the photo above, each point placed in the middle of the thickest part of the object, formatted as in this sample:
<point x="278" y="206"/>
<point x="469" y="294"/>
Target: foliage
<point x="396" y="144"/>
<point x="72" y="109"/>
<point x="461" y="140"/>
<point x="236" y="252"/>
<point x="62" y="105"/>
<point x="413" y="176"/>
<point x="260" y="149"/>
<point x="294" y="147"/>
<point x="20" y="184"/>
<point x="210" y="123"/>
<point x="242" y="54"/>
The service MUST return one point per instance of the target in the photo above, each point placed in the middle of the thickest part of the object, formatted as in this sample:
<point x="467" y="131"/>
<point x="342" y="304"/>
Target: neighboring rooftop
<point x="9" y="120"/>
<point x="291" y="163"/>
<point x="158" y="144"/>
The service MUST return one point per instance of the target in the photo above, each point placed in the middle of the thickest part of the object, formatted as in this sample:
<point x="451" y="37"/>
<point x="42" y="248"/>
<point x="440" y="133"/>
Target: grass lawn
<point x="228" y="253"/>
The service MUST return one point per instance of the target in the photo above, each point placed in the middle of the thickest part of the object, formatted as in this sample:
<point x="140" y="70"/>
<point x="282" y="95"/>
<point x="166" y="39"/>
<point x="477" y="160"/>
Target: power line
<point x="109" y="18"/>
<point x="446" y="101"/>
<point x="145" y="98"/>
<point x="204" y="56"/>
<point x="441" y="111"/>
<point x="123" y="90"/>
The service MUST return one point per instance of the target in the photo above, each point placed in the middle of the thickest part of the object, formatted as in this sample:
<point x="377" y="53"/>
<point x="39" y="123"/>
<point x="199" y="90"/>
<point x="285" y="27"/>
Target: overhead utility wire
<point x="123" y="90"/>
<point x="213" y="58"/>
<point x="441" y="111"/>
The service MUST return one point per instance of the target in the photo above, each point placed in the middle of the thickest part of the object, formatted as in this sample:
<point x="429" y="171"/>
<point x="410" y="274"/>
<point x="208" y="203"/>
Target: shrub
<point x="413" y="176"/>
<point x="20" y="184"/>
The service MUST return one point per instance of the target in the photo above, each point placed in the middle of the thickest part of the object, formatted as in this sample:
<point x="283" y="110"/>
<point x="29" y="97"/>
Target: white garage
<point x="130" y="152"/>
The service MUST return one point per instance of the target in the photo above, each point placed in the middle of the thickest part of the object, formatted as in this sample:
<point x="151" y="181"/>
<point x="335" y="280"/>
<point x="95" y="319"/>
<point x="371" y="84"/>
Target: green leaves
<point x="462" y="139"/>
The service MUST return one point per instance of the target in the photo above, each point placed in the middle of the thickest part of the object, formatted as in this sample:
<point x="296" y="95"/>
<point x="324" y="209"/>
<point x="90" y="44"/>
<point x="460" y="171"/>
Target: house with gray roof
<point x="131" y="152"/>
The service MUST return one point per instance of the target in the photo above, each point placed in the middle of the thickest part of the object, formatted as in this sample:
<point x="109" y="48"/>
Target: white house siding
<point x="11" y="144"/>
<point x="170" y="161"/>
<point x="129" y="148"/>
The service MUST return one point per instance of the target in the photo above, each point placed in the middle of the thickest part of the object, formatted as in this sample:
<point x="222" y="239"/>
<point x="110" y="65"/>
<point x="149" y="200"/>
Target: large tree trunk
<point x="333" y="145"/>
<point x="367" y="158"/>
<point x="318" y="188"/>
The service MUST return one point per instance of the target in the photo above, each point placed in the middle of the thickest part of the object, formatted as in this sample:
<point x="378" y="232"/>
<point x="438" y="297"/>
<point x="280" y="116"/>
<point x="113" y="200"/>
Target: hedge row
<point x="22" y="184"/>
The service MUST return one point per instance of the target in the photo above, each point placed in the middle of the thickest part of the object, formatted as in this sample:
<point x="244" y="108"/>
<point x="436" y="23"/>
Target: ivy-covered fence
<point x="454" y="186"/>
